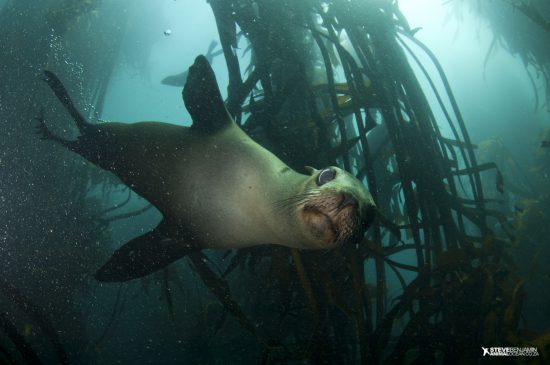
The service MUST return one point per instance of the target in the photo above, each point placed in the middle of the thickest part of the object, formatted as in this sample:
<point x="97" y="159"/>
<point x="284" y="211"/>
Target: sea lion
<point x="179" y="79"/>
<point x="215" y="187"/>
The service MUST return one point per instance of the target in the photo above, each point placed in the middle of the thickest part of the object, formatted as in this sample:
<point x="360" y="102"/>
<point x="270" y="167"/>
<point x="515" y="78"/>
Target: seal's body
<point x="179" y="168"/>
<point x="214" y="185"/>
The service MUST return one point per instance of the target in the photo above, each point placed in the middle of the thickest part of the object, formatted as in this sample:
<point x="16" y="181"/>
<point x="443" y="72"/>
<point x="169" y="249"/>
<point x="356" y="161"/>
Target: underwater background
<point x="440" y="107"/>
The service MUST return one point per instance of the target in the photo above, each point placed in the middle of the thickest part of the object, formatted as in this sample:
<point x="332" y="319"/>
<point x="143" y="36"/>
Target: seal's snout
<point x="348" y="200"/>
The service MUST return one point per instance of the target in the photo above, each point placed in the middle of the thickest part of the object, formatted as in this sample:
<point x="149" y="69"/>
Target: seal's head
<point x="334" y="209"/>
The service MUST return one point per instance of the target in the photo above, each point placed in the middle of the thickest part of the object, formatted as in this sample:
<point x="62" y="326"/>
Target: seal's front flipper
<point x="142" y="256"/>
<point x="203" y="99"/>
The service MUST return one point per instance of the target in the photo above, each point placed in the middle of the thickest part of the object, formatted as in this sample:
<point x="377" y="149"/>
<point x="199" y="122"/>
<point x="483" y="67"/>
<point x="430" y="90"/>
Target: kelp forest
<point x="445" y="269"/>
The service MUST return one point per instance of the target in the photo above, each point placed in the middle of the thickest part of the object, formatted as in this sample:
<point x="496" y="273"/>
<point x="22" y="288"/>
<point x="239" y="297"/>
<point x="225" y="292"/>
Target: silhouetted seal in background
<point x="180" y="79"/>
<point x="214" y="185"/>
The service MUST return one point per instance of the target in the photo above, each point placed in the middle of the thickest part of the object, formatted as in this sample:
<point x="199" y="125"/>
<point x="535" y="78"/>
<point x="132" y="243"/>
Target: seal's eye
<point x="325" y="176"/>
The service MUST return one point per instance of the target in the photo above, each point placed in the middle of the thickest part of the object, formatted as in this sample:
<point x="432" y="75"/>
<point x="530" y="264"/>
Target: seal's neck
<point x="288" y="231"/>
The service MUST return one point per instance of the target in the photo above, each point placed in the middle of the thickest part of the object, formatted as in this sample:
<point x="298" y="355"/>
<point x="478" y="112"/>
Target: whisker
<point x="294" y="201"/>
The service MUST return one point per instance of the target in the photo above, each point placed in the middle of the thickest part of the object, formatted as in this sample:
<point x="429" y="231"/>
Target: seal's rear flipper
<point x="142" y="256"/>
<point x="45" y="133"/>
<point x="59" y="90"/>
